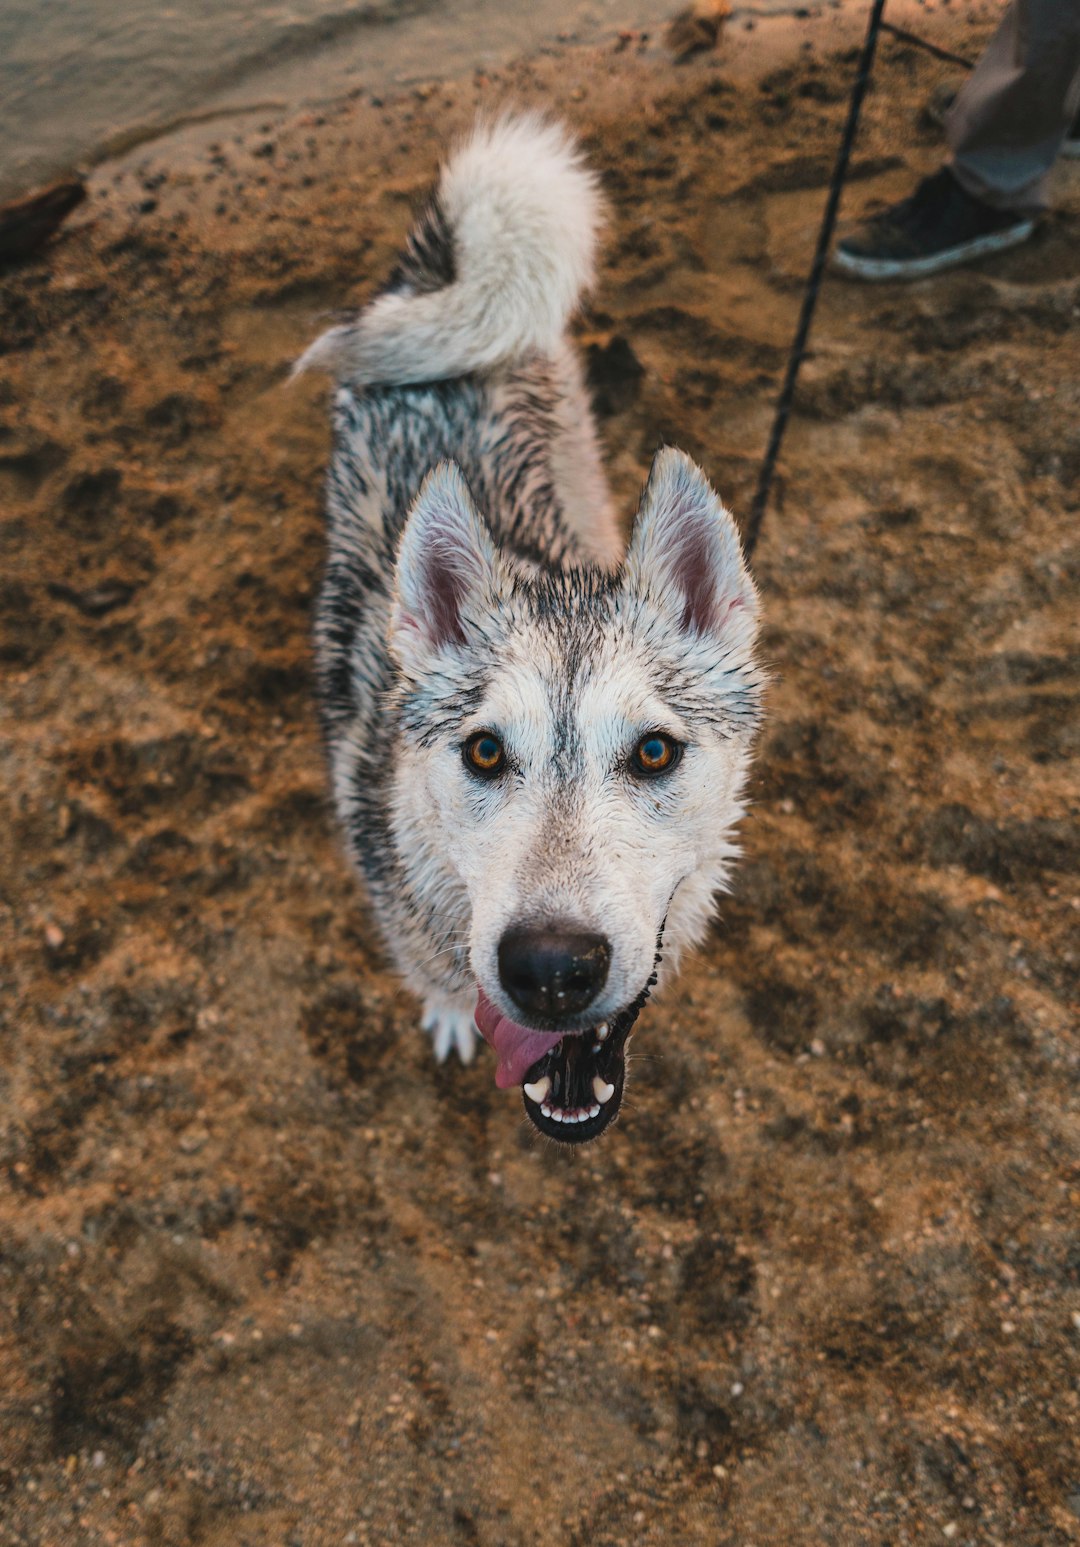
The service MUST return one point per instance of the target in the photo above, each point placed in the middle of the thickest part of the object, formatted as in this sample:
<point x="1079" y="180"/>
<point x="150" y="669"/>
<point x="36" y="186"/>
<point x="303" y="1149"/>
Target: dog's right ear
<point x="446" y="564"/>
<point x="685" y="552"/>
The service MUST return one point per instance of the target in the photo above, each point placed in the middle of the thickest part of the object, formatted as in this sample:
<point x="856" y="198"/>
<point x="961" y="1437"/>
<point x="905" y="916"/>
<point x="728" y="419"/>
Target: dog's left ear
<point x="685" y="551"/>
<point x="447" y="565"/>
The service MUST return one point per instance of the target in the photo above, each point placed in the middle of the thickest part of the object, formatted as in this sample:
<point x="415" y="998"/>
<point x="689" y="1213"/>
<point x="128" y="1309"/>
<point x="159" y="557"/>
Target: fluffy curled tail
<point x="492" y="270"/>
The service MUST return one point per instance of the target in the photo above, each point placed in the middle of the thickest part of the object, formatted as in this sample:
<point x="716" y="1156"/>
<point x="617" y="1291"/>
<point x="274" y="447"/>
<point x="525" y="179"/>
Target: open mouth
<point x="572" y="1082"/>
<point x="575" y="1090"/>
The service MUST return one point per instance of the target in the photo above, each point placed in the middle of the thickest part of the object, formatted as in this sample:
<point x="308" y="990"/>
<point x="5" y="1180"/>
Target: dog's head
<point x="575" y="746"/>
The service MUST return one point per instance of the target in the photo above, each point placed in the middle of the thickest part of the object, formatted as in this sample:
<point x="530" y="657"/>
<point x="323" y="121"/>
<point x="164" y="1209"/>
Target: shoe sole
<point x="916" y="268"/>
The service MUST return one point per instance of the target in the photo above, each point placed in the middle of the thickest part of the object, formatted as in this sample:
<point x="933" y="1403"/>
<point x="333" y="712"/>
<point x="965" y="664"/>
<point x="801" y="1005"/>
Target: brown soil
<point x="270" y="1276"/>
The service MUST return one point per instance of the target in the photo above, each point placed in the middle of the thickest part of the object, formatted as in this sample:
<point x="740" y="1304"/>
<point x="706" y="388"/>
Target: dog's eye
<point x="654" y="754"/>
<point x="484" y="754"/>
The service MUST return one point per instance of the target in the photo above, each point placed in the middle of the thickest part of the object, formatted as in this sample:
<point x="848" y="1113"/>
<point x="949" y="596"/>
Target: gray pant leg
<point x="1008" y="122"/>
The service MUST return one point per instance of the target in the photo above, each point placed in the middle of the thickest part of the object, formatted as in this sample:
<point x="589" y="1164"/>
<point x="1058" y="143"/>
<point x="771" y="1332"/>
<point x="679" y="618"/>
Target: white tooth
<point x="557" y="1117"/>
<point x="602" y="1090"/>
<point x="594" y="1110"/>
<point x="539" y="1090"/>
<point x="602" y="1031"/>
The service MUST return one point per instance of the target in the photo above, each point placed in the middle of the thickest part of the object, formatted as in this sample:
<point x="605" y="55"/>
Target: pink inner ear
<point x="444" y="591"/>
<point x="695" y="575"/>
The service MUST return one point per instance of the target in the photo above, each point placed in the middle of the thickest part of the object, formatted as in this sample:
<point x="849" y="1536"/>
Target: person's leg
<point x="1006" y="127"/>
<point x="1013" y="114"/>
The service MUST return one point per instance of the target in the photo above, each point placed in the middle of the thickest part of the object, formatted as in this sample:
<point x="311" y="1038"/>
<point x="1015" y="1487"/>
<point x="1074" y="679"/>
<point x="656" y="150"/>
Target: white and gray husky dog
<point x="538" y="742"/>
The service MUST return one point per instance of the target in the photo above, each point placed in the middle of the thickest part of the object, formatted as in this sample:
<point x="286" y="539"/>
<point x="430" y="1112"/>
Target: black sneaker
<point x="937" y="227"/>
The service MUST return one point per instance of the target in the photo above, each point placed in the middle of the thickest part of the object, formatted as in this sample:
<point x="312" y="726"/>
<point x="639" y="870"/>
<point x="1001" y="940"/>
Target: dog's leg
<point x="450" y="1024"/>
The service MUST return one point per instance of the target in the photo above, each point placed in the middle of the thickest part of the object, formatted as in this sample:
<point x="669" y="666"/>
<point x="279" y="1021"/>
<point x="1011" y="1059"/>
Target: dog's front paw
<point x="450" y="1028"/>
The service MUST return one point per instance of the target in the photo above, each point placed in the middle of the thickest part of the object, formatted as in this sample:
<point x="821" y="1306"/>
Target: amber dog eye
<point x="654" y="754"/>
<point x="484" y="754"/>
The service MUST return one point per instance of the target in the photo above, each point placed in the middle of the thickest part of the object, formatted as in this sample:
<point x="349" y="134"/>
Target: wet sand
<point x="81" y="78"/>
<point x="268" y="1275"/>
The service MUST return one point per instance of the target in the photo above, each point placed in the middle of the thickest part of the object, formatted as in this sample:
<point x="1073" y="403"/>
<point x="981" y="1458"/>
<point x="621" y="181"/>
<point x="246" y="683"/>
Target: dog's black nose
<point x="552" y="970"/>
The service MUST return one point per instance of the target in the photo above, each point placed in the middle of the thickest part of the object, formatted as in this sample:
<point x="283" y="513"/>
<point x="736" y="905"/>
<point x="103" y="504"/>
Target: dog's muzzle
<point x="574" y="1091"/>
<point x="552" y="971"/>
<point x="572" y="1084"/>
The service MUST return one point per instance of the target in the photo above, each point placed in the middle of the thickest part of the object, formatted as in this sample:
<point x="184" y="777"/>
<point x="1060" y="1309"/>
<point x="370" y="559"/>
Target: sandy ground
<point x="270" y="1276"/>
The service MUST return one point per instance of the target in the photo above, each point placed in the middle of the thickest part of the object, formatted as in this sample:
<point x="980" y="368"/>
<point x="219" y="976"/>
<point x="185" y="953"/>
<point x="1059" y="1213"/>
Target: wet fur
<point x="475" y="579"/>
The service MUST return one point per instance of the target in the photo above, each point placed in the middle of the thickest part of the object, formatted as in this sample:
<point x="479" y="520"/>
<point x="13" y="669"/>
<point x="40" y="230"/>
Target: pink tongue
<point x="516" y="1047"/>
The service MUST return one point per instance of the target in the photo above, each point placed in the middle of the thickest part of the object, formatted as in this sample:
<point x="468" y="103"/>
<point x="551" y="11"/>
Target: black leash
<point x="924" y="43"/>
<point x="813" y="284"/>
